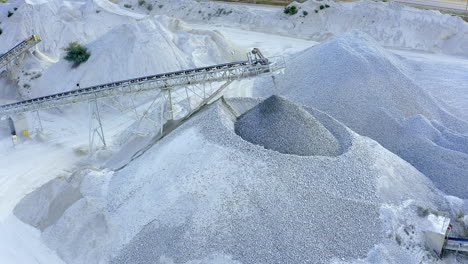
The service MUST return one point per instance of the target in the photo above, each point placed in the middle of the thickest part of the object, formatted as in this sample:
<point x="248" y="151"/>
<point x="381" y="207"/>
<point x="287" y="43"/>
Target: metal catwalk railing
<point x="18" y="49"/>
<point x="179" y="94"/>
<point x="457" y="244"/>
<point x="164" y="81"/>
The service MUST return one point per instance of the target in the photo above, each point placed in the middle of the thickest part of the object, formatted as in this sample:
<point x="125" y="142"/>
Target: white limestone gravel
<point x="205" y="194"/>
<point x="355" y="80"/>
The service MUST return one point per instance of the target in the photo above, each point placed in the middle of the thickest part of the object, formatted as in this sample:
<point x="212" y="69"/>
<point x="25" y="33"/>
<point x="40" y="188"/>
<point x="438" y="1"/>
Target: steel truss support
<point x="171" y="106"/>
<point x="184" y="90"/>
<point x="95" y="125"/>
<point x="275" y="85"/>
<point x="38" y="117"/>
<point x="216" y="73"/>
<point x="17" y="50"/>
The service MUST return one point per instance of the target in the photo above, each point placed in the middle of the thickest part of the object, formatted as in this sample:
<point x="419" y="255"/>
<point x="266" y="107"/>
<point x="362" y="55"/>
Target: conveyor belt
<point x="457" y="244"/>
<point x="214" y="73"/>
<point x="18" y="50"/>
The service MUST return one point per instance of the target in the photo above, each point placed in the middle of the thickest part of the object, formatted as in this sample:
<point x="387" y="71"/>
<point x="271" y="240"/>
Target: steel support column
<point x="95" y="125"/>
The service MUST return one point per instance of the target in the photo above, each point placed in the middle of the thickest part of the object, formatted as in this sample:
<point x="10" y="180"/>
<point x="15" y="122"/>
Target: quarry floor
<point x="28" y="165"/>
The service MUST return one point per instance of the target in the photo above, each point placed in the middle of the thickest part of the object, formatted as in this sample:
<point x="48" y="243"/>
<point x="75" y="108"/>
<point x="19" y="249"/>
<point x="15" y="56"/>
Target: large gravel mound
<point x="281" y="125"/>
<point x="367" y="88"/>
<point x="204" y="195"/>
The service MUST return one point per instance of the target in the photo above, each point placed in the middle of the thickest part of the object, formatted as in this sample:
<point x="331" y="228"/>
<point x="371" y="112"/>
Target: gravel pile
<point x="253" y="205"/>
<point x="353" y="79"/>
<point x="281" y="125"/>
<point x="204" y="195"/>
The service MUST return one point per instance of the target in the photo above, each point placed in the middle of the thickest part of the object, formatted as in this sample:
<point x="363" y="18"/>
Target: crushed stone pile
<point x="112" y="35"/>
<point x="204" y="195"/>
<point x="355" y="80"/>
<point x="281" y="125"/>
<point x="392" y="24"/>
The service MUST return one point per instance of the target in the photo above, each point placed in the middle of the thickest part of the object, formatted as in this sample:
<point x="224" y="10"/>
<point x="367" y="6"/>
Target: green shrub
<point x="160" y="6"/>
<point x="424" y="212"/>
<point x="316" y="11"/>
<point x="327" y="6"/>
<point x="398" y="239"/>
<point x="149" y="7"/>
<point x="322" y="7"/>
<point x="76" y="53"/>
<point x="1" y="31"/>
<point x="305" y="13"/>
<point x="10" y="14"/>
<point x="460" y="215"/>
<point x="141" y="2"/>
<point x="291" y="10"/>
<point x="127" y="6"/>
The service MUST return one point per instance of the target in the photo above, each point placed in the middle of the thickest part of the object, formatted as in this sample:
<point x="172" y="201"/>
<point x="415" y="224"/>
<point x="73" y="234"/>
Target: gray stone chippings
<point x="283" y="208"/>
<point x="364" y="86"/>
<point x="203" y="194"/>
<point x="281" y="125"/>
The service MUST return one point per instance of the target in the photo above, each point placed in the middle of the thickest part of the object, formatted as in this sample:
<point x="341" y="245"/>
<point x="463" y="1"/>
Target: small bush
<point x="10" y="14"/>
<point x="316" y="11"/>
<point x="1" y="31"/>
<point x="398" y="239"/>
<point x="160" y="6"/>
<point x="290" y="10"/>
<point x="322" y="7"/>
<point x="15" y="8"/>
<point x="305" y="13"/>
<point x="460" y="215"/>
<point x="141" y="2"/>
<point x="327" y="6"/>
<point x="423" y="212"/>
<point x="149" y="7"/>
<point x="76" y="53"/>
<point x="127" y="6"/>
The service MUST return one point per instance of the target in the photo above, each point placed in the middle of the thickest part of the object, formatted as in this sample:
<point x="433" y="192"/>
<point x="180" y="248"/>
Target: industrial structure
<point x="185" y="88"/>
<point x="439" y="240"/>
<point x="18" y="50"/>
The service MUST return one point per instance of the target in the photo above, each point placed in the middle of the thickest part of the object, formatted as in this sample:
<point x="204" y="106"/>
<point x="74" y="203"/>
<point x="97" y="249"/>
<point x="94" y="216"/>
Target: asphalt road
<point x="452" y="5"/>
<point x="443" y="4"/>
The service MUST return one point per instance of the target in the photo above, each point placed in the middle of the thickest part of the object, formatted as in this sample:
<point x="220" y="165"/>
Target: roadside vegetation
<point x="290" y="10"/>
<point x="264" y="2"/>
<point x="76" y="53"/>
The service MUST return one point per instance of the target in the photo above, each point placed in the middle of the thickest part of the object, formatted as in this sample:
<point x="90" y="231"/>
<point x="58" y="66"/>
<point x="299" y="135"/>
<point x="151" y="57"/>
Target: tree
<point x="76" y="53"/>
<point x="291" y="10"/>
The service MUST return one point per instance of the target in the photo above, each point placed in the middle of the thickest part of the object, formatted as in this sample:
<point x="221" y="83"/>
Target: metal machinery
<point x="173" y="87"/>
<point x="438" y="239"/>
<point x="256" y="56"/>
<point x="18" y="50"/>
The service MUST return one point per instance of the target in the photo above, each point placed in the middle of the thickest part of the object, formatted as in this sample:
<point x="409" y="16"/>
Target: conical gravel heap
<point x="283" y="126"/>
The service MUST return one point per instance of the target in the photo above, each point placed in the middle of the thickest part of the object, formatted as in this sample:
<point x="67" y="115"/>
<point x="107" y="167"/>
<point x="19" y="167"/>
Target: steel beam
<point x="165" y="81"/>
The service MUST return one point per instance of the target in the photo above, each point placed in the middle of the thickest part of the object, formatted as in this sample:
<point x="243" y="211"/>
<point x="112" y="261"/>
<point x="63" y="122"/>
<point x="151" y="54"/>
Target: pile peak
<point x="280" y="125"/>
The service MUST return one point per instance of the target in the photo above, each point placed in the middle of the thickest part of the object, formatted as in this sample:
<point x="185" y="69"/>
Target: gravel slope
<point x="205" y="195"/>
<point x="362" y="85"/>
